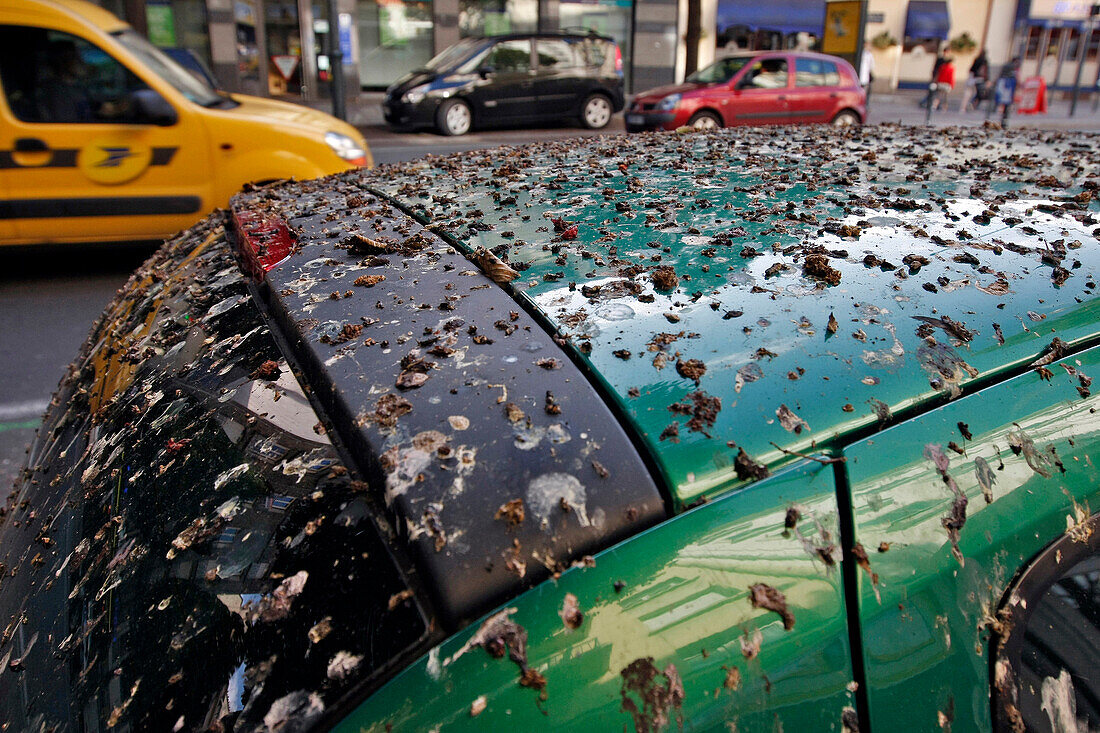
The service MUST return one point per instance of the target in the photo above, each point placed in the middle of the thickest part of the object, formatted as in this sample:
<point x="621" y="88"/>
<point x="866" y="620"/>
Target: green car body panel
<point x="737" y="236"/>
<point x="684" y="602"/>
<point x="943" y="303"/>
<point x="1027" y="472"/>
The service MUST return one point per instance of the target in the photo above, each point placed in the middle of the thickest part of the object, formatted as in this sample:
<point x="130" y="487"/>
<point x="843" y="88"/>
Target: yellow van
<point x="104" y="138"/>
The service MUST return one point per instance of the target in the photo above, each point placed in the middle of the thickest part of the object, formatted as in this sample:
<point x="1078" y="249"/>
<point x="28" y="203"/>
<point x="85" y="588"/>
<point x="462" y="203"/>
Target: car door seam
<point x="849" y="572"/>
<point x="978" y="384"/>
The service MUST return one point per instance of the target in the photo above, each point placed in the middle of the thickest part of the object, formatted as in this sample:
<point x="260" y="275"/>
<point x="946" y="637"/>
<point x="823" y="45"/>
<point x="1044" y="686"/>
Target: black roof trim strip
<point x="492" y="410"/>
<point x="641" y="445"/>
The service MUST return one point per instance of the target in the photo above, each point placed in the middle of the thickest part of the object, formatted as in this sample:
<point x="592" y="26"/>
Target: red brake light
<point x="265" y="242"/>
<point x="618" y="60"/>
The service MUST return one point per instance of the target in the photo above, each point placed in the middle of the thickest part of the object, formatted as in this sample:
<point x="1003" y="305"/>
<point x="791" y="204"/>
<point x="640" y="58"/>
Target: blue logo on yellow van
<point x="114" y="159"/>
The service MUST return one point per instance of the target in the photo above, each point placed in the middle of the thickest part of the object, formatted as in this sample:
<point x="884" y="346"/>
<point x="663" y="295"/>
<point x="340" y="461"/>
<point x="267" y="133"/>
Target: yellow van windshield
<point x="186" y="83"/>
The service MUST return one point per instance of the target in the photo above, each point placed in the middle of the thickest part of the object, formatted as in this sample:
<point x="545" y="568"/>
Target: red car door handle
<point x="782" y="97"/>
<point x="832" y="95"/>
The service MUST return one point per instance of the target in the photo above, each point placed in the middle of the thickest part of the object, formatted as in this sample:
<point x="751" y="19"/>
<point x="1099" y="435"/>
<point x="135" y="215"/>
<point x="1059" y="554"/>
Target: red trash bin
<point x="1033" y="96"/>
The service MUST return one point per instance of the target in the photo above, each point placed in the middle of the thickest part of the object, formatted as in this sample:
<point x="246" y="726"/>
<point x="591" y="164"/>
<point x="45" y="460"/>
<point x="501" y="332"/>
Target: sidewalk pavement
<point x="365" y="113"/>
<point x="902" y="106"/>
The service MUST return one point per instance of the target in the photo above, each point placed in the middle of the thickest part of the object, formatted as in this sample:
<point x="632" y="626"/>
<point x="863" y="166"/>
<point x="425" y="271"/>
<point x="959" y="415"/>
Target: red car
<point x="755" y="89"/>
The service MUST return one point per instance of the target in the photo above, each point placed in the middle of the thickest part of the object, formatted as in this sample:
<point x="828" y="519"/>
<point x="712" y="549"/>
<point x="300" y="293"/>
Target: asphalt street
<point x="49" y="299"/>
<point x="50" y="296"/>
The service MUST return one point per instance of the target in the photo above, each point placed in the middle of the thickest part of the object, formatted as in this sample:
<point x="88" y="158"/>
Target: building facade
<point x="278" y="47"/>
<point x="1052" y="38"/>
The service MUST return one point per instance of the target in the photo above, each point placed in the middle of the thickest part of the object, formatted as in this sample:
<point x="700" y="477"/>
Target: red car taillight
<point x="618" y="61"/>
<point x="264" y="241"/>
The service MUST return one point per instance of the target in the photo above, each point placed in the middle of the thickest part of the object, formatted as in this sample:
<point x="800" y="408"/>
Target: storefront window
<point x="750" y="25"/>
<point x="497" y="17"/>
<point x="116" y="7"/>
<point x="1055" y="42"/>
<point x="179" y="24"/>
<point x="607" y="17"/>
<point x="284" y="47"/>
<point x="1073" y="43"/>
<point x="1034" y="34"/>
<point x="394" y="37"/>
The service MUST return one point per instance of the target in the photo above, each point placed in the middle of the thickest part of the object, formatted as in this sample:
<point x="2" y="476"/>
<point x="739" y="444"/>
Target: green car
<point x="746" y="430"/>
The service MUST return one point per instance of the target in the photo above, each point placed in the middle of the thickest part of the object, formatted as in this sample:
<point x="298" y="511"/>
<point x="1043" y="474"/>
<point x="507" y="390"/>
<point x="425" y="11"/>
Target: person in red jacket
<point x="945" y="82"/>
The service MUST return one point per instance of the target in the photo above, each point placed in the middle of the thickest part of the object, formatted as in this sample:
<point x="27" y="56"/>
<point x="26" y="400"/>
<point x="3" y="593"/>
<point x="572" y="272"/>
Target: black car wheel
<point x="454" y="117"/>
<point x="596" y="111"/>
<point x="705" y="121"/>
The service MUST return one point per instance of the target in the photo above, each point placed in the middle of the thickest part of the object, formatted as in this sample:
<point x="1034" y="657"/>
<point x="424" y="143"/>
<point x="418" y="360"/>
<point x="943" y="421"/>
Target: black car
<point x="511" y="79"/>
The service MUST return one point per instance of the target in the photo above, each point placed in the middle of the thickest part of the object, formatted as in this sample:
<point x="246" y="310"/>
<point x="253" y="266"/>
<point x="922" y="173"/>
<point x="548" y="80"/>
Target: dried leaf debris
<point x="956" y="517"/>
<point x="762" y="595"/>
<point x="651" y="696"/>
<point x="735" y="259"/>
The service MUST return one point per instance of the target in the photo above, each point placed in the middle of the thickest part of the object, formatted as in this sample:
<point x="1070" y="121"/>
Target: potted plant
<point x="963" y="43"/>
<point x="884" y="41"/>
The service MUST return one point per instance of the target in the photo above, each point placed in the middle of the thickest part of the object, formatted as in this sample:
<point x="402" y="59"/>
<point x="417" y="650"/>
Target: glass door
<point x="395" y="36"/>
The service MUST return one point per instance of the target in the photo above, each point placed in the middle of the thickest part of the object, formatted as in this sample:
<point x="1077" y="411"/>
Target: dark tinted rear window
<point x="597" y="52"/>
<point x="190" y="551"/>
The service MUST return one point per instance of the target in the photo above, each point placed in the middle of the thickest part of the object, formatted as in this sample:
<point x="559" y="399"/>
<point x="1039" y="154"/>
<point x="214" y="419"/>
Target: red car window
<point x="815" y="73"/>
<point x="769" y="73"/>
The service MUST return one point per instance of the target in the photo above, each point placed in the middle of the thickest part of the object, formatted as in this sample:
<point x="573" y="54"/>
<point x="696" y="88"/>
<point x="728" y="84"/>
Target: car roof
<point x="790" y="52"/>
<point x="745" y="297"/>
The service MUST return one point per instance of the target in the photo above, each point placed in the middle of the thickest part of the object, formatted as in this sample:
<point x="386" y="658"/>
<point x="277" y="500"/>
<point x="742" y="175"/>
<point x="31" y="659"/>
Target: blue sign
<point x="1005" y="91"/>
<point x="344" y="27"/>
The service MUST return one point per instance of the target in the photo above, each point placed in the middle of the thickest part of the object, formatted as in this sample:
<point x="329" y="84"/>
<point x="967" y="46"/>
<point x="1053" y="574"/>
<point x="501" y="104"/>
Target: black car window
<point x="766" y="74"/>
<point x="1044" y="674"/>
<point x="55" y="77"/>
<point x="558" y="54"/>
<point x="595" y="51"/>
<point x="815" y="73"/>
<point x="454" y="54"/>
<point x="509" y="56"/>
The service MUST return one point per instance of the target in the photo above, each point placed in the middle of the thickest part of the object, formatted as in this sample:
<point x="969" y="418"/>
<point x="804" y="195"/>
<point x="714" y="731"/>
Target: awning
<point x="785" y="16"/>
<point x="927" y="19"/>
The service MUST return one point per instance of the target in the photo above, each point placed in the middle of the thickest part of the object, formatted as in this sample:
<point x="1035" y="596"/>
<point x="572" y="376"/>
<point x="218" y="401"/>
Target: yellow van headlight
<point x="347" y="148"/>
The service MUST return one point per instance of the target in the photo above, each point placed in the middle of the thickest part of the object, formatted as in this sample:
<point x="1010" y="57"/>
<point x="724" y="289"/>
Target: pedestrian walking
<point x="977" y="83"/>
<point x="866" y="72"/>
<point x="927" y="101"/>
<point x="945" y="82"/>
<point x="1004" y="92"/>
